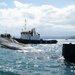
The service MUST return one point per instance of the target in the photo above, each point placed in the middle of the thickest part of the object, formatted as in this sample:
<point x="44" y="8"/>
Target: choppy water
<point x="37" y="59"/>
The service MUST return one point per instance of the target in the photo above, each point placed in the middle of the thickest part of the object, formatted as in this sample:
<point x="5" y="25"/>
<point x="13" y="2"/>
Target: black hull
<point x="68" y="52"/>
<point x="36" y="41"/>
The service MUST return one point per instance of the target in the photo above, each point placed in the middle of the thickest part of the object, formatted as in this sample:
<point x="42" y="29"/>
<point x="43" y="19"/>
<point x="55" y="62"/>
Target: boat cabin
<point x="30" y="35"/>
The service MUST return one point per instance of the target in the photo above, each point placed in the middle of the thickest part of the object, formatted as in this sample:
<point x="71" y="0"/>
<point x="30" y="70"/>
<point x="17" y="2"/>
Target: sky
<point x="48" y="17"/>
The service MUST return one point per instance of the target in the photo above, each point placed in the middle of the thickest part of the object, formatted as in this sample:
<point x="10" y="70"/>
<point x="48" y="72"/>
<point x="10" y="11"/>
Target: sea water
<point x="36" y="59"/>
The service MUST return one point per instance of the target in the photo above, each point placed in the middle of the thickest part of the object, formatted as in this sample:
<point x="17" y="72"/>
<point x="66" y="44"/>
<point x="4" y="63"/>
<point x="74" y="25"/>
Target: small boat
<point x="32" y="37"/>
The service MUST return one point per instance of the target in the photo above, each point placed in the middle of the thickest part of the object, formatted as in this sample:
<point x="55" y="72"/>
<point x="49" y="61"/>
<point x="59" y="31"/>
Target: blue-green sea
<point x="36" y="59"/>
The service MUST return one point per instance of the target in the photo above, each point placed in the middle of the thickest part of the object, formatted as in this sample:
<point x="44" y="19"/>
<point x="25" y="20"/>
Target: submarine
<point x="68" y="52"/>
<point x="7" y="42"/>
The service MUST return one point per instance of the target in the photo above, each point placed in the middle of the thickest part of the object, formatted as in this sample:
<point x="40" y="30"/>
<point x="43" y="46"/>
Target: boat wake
<point x="11" y="44"/>
<point x="30" y="49"/>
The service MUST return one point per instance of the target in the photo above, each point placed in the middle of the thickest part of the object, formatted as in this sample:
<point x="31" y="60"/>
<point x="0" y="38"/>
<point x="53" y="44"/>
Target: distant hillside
<point x="72" y="37"/>
<point x="58" y="37"/>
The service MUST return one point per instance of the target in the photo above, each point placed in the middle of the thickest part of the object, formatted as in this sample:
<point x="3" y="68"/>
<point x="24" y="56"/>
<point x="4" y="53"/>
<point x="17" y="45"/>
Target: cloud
<point x="47" y="19"/>
<point x="20" y="5"/>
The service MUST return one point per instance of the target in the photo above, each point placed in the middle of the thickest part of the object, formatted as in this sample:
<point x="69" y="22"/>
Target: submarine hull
<point x="68" y="52"/>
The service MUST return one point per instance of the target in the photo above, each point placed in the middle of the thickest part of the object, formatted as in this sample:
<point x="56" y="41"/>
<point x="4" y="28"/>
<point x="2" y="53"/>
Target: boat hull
<point x="36" y="41"/>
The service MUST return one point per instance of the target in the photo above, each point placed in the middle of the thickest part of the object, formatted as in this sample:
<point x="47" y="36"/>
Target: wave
<point x="30" y="49"/>
<point x="7" y="73"/>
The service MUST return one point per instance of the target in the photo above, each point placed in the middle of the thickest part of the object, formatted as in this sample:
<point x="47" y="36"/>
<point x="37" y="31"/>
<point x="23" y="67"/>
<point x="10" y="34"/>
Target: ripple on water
<point x="36" y="60"/>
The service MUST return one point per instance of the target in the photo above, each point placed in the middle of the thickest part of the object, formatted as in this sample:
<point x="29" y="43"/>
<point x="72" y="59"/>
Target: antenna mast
<point x="25" y="24"/>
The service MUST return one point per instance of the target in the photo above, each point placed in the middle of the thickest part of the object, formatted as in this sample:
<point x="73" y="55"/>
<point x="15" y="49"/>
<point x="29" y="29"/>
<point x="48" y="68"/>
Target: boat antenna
<point x="6" y="32"/>
<point x="25" y="24"/>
